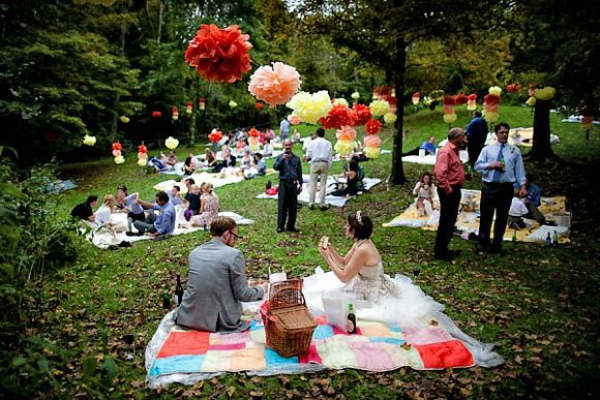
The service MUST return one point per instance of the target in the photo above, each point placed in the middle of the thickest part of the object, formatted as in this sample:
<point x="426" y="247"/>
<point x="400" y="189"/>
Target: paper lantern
<point x="310" y="107"/>
<point x="175" y="113"/>
<point x="341" y="101"/>
<point x="258" y="106"/>
<point x="372" y="152"/>
<point x="372" y="141"/>
<point x="215" y="137"/>
<point x="219" y="55"/>
<point x="495" y="90"/>
<point x="355" y="95"/>
<point x="472" y="102"/>
<point x="190" y="107"/>
<point x="116" y="153"/>
<point x="373" y="127"/>
<point x="232" y="104"/>
<point x="142" y="162"/>
<point x="171" y="143"/>
<point x="202" y="104"/>
<point x="274" y="85"/>
<point x="119" y="160"/>
<point x="156" y="114"/>
<point x="345" y="133"/>
<point x="390" y="118"/>
<point x="337" y="117"/>
<point x="379" y="108"/>
<point x="344" y="147"/>
<point x="124" y="119"/>
<point x="362" y="114"/>
<point x="89" y="140"/>
<point x="293" y="119"/>
<point x="416" y="97"/>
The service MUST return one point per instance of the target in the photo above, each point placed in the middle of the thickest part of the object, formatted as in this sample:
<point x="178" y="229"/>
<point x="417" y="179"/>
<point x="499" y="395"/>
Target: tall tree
<point x="382" y="31"/>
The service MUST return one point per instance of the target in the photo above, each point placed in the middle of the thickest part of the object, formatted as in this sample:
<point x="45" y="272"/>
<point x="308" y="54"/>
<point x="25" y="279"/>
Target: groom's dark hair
<point x="220" y="225"/>
<point x="362" y="229"/>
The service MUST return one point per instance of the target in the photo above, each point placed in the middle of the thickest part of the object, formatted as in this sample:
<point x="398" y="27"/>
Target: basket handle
<point x="271" y="302"/>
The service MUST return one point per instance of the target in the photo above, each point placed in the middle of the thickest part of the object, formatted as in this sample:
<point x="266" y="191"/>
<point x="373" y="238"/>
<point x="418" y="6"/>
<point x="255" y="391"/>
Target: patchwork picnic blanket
<point x="104" y="238"/>
<point x="553" y="208"/>
<point x="335" y="201"/>
<point x="186" y="356"/>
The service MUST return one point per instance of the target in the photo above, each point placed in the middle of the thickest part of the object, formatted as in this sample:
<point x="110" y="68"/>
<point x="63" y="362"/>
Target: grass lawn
<point x="538" y="304"/>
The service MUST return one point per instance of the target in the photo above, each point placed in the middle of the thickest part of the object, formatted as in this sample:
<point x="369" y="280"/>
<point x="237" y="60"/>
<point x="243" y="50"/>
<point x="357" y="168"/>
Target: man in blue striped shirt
<point x="502" y="166"/>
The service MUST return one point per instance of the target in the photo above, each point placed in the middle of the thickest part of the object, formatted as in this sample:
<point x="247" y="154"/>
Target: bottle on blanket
<point x="351" y="321"/>
<point x="179" y="291"/>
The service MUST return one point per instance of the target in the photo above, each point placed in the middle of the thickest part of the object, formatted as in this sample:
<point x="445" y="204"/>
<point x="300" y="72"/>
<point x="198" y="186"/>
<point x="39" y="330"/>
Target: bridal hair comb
<point x="359" y="217"/>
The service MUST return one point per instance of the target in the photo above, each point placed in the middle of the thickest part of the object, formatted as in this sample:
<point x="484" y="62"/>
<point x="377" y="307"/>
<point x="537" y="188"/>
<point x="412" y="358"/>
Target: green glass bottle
<point x="351" y="321"/>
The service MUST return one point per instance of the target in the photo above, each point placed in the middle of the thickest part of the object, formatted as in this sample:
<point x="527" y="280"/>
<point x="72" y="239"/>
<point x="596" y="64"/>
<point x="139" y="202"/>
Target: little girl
<point x="209" y="207"/>
<point x="424" y="191"/>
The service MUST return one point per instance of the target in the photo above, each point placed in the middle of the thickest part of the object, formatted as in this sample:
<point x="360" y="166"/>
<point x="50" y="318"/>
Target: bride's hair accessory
<point x="359" y="217"/>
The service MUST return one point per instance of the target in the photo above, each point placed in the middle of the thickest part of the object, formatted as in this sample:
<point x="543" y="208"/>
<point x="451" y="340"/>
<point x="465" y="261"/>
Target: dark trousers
<point x="494" y="197"/>
<point x="147" y="225"/>
<point x="449" y="204"/>
<point x="287" y="201"/>
<point x="474" y="148"/>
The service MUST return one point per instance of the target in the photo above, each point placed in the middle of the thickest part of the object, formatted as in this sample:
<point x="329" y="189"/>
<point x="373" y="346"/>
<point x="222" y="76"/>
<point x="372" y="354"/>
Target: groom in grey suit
<point x="217" y="283"/>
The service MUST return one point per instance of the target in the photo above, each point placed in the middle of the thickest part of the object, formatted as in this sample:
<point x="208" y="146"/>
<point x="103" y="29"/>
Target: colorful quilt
<point x="376" y="347"/>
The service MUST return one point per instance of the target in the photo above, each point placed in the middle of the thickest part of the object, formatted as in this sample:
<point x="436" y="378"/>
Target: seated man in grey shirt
<point x="217" y="283"/>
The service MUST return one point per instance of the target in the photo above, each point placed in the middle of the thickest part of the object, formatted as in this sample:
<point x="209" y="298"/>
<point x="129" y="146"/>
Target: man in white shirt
<point x="320" y="156"/>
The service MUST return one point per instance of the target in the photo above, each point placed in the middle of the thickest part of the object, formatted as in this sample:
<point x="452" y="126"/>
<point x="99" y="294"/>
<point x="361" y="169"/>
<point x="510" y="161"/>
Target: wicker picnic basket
<point x="288" y="323"/>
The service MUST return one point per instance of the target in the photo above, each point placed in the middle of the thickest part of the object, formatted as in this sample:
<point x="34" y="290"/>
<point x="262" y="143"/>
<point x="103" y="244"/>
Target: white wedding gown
<point x="377" y="297"/>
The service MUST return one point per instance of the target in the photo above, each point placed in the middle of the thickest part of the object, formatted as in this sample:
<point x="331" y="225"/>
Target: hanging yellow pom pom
<point x="171" y="143"/>
<point x="379" y="108"/>
<point x="89" y="140"/>
<point x="390" y="118"/>
<point x="372" y="152"/>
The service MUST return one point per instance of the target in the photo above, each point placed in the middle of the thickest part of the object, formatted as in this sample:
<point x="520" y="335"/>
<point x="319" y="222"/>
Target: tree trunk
<point x="398" y="74"/>
<point x="541" y="132"/>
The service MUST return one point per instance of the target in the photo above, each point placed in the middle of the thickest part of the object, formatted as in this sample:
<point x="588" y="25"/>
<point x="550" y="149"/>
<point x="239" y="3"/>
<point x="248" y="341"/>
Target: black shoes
<point x="134" y="234"/>
<point x="279" y="230"/>
<point x="293" y="230"/>
<point x="325" y="208"/>
<point x="447" y="256"/>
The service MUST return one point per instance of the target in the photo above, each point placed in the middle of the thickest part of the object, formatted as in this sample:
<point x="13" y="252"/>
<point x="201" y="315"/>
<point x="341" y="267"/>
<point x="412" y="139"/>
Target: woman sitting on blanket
<point x="246" y="161"/>
<point x="209" y="207"/>
<point x="424" y="191"/>
<point x="351" y="187"/>
<point x="188" y="167"/>
<point x="104" y="213"/>
<point x="228" y="160"/>
<point x="210" y="158"/>
<point x="358" y="278"/>
<point x="194" y="201"/>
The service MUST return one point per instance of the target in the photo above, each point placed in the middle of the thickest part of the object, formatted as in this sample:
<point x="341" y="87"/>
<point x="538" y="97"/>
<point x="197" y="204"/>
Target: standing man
<point x="217" y="283"/>
<point x="284" y="129"/>
<point x="164" y="223"/>
<point x="320" y="156"/>
<point x="290" y="182"/>
<point x="477" y="131"/>
<point x="450" y="175"/>
<point x="502" y="166"/>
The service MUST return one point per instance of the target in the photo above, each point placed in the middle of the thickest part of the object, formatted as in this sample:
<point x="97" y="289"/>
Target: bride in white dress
<point x="358" y="277"/>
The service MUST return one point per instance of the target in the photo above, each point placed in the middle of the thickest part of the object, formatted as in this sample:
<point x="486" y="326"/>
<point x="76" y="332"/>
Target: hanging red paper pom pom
<point x="361" y="114"/>
<point x="491" y="99"/>
<point x="472" y="97"/>
<point x="156" y="114"/>
<point x="215" y="136"/>
<point x="461" y="99"/>
<point x="338" y="116"/>
<point x="259" y="105"/>
<point x="449" y="101"/>
<point x="220" y="55"/>
<point x="513" y="87"/>
<point x="373" y="127"/>
<point x="117" y="146"/>
<point x="142" y="148"/>
<point x="254" y="132"/>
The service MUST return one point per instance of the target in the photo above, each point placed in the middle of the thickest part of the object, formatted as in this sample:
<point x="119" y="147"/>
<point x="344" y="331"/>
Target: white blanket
<point x="224" y="178"/>
<point x="335" y="201"/>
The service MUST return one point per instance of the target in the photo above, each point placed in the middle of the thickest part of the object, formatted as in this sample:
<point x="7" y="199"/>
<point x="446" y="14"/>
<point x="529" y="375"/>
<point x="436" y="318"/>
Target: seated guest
<point x="188" y="167"/>
<point x="209" y="207"/>
<point x="532" y="200"/>
<point x="296" y="136"/>
<point x="428" y="146"/>
<point x="175" y="196"/>
<point x="268" y="149"/>
<point x="188" y="185"/>
<point x="129" y="203"/>
<point x="171" y="158"/>
<point x="353" y="181"/>
<point x="84" y="211"/>
<point x="164" y="223"/>
<point x="246" y="161"/>
<point x="103" y="214"/>
<point x="260" y="164"/>
<point x="517" y="211"/>
<point x="193" y="200"/>
<point x="228" y="160"/>
<point x="217" y="283"/>
<point x="424" y="191"/>
<point x="210" y="158"/>
<point x="240" y="145"/>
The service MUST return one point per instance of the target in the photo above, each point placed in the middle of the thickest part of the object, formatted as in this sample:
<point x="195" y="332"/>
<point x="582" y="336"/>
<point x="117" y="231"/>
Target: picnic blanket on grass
<point x="227" y="177"/>
<point x="335" y="201"/>
<point x="468" y="219"/>
<point x="186" y="356"/>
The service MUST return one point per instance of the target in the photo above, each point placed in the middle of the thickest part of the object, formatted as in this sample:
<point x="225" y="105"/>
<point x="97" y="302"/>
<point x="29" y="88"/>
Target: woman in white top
<point x="424" y="191"/>
<point x="103" y="214"/>
<point x="358" y="278"/>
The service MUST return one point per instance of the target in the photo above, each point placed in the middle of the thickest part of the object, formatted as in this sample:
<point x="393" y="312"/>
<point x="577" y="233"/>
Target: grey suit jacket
<point x="216" y="287"/>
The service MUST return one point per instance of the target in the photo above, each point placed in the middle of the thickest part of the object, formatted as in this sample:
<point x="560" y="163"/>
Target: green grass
<point x="538" y="304"/>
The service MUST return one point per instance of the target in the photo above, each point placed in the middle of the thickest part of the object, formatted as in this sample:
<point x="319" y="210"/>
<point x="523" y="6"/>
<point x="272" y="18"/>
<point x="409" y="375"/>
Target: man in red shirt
<point x="450" y="175"/>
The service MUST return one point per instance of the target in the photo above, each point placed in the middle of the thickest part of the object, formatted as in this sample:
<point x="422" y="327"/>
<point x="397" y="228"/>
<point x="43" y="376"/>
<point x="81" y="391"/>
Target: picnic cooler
<point x="289" y="326"/>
